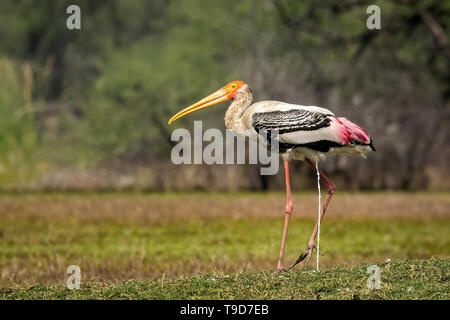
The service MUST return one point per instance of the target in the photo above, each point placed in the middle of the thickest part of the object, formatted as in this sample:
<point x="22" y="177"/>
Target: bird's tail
<point x="355" y="133"/>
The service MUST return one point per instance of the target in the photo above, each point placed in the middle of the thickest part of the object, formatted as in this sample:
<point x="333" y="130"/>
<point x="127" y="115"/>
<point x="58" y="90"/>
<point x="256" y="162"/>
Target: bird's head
<point x="228" y="92"/>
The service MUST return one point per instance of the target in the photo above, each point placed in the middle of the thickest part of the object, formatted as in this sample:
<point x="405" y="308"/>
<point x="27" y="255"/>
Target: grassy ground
<point x="118" y="237"/>
<point x="398" y="280"/>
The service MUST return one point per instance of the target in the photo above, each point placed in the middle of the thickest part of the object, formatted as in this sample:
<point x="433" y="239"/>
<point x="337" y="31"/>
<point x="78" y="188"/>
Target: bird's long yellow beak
<point x="219" y="96"/>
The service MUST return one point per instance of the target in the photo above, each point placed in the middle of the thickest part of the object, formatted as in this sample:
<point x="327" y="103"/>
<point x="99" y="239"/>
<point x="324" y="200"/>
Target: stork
<point x="308" y="133"/>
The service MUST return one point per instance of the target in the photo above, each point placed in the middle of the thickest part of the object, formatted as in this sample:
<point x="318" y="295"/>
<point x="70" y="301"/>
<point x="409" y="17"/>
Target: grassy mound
<point x="411" y="279"/>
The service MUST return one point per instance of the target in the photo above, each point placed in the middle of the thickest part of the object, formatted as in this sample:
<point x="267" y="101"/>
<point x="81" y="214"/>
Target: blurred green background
<point x="88" y="109"/>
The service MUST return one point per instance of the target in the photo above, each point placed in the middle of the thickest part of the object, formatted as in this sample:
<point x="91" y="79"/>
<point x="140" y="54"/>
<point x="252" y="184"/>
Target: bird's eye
<point x="233" y="86"/>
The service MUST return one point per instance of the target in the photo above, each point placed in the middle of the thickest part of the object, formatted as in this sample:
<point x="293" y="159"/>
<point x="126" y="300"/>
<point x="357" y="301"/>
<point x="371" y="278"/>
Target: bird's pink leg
<point x="311" y="243"/>
<point x="288" y="211"/>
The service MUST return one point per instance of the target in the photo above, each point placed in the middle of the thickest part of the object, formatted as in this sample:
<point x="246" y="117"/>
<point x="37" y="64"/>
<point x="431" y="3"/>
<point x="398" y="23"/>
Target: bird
<point x="308" y="133"/>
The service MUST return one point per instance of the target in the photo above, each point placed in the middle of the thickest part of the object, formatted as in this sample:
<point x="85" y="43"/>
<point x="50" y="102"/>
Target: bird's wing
<point x="266" y="106"/>
<point x="282" y="106"/>
<point x="299" y="125"/>
<point x="290" y="120"/>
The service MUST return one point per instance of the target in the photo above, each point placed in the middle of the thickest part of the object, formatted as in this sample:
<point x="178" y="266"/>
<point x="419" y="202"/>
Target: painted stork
<point x="307" y="133"/>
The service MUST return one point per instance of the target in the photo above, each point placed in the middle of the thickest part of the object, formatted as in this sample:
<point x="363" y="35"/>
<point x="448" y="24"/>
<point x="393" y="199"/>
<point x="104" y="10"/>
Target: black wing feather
<point x="290" y="121"/>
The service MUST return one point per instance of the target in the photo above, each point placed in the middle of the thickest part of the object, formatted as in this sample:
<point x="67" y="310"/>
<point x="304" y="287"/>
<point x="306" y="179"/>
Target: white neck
<point x="241" y="102"/>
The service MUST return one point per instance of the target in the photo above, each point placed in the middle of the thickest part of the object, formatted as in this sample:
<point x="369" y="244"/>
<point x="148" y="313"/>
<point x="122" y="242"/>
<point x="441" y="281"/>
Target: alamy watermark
<point x="374" y="20"/>
<point x="73" y="22"/>
<point x="74" y="280"/>
<point x="374" y="281"/>
<point x="263" y="148"/>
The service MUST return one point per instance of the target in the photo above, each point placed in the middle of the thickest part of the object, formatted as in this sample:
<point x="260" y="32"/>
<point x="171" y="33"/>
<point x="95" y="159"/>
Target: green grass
<point x="113" y="250"/>
<point x="412" y="279"/>
<point x="120" y="237"/>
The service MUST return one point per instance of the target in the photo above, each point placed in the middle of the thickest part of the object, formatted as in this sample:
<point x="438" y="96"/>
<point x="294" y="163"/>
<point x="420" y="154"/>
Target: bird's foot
<point x="279" y="268"/>
<point x="304" y="255"/>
